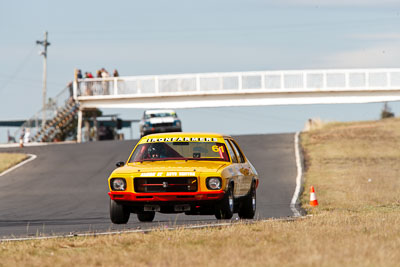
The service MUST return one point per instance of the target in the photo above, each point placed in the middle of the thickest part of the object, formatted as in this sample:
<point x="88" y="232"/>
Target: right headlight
<point x="214" y="183"/>
<point x="118" y="184"/>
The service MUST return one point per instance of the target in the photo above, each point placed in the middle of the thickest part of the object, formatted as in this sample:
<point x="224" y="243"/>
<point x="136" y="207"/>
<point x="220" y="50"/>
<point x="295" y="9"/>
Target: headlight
<point x="213" y="183"/>
<point x="118" y="184"/>
<point x="177" y="123"/>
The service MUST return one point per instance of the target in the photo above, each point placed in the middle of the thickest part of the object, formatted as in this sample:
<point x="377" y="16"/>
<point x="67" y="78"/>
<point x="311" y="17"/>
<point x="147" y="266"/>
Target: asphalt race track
<point x="64" y="190"/>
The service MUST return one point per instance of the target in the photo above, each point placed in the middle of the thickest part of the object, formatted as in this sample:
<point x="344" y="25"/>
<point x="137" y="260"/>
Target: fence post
<point x="115" y="86"/>
<point x="197" y="83"/>
<point x="156" y="85"/>
<point x="75" y="84"/>
<point x="263" y="80"/>
<point x="79" y="128"/>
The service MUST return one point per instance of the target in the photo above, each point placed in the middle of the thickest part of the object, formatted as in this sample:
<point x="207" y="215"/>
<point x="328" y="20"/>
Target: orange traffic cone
<point x="313" y="197"/>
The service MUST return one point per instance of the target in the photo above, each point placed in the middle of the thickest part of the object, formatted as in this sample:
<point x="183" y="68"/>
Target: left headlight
<point x="118" y="184"/>
<point x="213" y="183"/>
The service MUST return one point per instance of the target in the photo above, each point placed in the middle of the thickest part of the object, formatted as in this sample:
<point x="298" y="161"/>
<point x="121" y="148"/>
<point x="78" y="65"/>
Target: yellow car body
<point x="195" y="173"/>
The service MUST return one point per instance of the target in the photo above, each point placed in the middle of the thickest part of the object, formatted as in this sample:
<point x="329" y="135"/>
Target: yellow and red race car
<point x="194" y="173"/>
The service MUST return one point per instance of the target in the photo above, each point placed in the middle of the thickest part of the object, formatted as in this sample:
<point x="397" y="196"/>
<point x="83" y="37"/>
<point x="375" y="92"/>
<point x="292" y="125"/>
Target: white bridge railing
<point x="130" y="91"/>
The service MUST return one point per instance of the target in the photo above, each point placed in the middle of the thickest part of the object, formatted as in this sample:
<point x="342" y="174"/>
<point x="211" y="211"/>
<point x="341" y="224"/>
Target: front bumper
<point x="167" y="197"/>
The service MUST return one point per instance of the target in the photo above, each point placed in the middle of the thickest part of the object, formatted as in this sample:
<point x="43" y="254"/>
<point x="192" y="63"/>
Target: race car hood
<point x="171" y="166"/>
<point x="161" y="120"/>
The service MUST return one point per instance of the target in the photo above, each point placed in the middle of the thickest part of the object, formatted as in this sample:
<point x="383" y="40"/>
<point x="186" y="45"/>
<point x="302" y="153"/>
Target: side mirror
<point x="120" y="164"/>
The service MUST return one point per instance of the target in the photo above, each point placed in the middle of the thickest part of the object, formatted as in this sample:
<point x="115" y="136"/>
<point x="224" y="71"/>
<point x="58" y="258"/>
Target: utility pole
<point x="44" y="54"/>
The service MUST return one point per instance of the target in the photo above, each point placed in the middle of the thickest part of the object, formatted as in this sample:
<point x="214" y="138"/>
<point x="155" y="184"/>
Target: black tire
<point x="119" y="214"/>
<point x="146" y="216"/>
<point x="247" y="208"/>
<point x="226" y="207"/>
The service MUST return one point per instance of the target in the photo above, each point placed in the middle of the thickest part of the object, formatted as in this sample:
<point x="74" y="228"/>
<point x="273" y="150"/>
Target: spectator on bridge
<point x="115" y="73"/>
<point x="98" y="74"/>
<point x="79" y="74"/>
<point x="105" y="83"/>
<point x="104" y="73"/>
<point x="88" y="75"/>
<point x="89" y="85"/>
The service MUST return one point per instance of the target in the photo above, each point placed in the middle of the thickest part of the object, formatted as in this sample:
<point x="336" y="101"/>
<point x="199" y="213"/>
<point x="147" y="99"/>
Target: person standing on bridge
<point x="105" y="83"/>
<point x="89" y="85"/>
<point x="79" y="74"/>
<point x="88" y="75"/>
<point x="115" y="73"/>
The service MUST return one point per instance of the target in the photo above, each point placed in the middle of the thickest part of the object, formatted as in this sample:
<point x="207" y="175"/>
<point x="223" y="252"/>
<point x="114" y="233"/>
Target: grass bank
<point x="355" y="169"/>
<point x="8" y="160"/>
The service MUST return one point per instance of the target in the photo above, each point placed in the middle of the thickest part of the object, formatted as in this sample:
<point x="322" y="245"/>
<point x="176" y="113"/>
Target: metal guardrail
<point x="240" y="82"/>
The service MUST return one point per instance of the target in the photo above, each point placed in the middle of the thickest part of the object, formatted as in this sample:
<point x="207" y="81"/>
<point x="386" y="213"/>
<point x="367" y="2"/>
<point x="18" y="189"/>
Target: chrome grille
<point x="165" y="184"/>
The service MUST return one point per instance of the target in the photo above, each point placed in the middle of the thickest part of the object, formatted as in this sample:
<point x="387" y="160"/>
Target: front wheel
<point x="247" y="208"/>
<point x="119" y="214"/>
<point x="226" y="206"/>
<point x="147" y="216"/>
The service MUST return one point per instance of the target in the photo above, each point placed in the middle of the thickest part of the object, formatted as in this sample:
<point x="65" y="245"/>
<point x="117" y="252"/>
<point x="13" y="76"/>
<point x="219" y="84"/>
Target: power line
<point x="4" y="77"/>
<point x="273" y="27"/>
<point x="36" y="83"/>
<point x="19" y="68"/>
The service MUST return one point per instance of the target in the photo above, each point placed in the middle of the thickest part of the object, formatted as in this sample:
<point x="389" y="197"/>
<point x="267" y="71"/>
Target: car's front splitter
<point x="166" y="197"/>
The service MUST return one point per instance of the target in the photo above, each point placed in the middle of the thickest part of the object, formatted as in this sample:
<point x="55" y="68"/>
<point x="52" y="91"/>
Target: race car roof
<point x="179" y="136"/>
<point x="156" y="111"/>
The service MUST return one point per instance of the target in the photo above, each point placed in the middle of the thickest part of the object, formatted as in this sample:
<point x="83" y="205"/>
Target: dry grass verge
<point x="356" y="166"/>
<point x="8" y="160"/>
<point x="355" y="169"/>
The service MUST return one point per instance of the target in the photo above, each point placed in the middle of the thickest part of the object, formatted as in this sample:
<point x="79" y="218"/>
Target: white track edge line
<point x="31" y="157"/>
<point x="201" y="226"/>
<point x="295" y="197"/>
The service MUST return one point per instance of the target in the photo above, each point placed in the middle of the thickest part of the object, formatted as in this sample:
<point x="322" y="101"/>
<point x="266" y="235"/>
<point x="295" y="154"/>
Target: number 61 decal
<point x="219" y="149"/>
<point x="216" y="148"/>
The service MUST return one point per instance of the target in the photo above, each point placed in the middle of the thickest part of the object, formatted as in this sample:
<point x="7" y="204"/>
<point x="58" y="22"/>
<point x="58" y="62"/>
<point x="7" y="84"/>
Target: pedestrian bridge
<point x="295" y="87"/>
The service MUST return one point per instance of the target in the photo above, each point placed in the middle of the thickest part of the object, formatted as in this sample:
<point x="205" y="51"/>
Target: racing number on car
<point x="219" y="149"/>
<point x="216" y="148"/>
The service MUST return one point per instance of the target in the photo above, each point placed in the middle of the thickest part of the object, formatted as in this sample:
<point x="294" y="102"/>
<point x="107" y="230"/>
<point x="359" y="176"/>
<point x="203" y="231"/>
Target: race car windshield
<point x="160" y="115"/>
<point x="180" y="151"/>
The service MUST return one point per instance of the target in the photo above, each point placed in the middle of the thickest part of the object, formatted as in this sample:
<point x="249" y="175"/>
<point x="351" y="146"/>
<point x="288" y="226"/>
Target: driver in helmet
<point x="156" y="150"/>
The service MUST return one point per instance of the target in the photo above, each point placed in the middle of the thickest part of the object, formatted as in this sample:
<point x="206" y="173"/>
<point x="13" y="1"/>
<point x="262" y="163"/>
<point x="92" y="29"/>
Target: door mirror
<point x="120" y="164"/>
